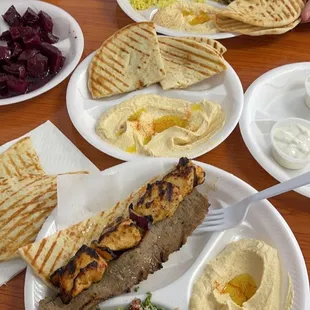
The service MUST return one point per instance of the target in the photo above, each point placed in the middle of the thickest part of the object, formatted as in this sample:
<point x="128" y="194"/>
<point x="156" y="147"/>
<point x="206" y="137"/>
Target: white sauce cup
<point x="282" y="158"/>
<point x="307" y="86"/>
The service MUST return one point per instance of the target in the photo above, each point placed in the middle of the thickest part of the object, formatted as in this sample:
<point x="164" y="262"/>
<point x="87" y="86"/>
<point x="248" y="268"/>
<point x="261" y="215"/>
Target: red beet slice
<point x="30" y="37"/>
<point x="27" y="54"/>
<point x="17" y="70"/>
<point x="37" y="66"/>
<point x="12" y="17"/>
<point x="3" y="81"/>
<point x="30" y="17"/>
<point x="46" y="22"/>
<point x="55" y="58"/>
<point x="6" y="36"/>
<point x="15" y="32"/>
<point x="5" y="53"/>
<point x="17" y="86"/>
<point x="16" y="49"/>
<point x="49" y="37"/>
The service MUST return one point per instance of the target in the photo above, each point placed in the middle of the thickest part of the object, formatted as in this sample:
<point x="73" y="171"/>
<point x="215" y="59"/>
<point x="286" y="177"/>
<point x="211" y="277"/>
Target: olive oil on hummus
<point x="160" y="126"/>
<point x="245" y="275"/>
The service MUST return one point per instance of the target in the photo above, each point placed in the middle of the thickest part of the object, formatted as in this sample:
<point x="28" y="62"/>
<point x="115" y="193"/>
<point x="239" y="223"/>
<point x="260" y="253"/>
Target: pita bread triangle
<point x="25" y="203"/>
<point x="231" y="25"/>
<point x="20" y="159"/>
<point x="188" y="62"/>
<point x="264" y="13"/>
<point x="127" y="61"/>
<point x="216" y="45"/>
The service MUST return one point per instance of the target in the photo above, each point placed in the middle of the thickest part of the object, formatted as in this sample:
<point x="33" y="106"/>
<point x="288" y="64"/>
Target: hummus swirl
<point x="159" y="126"/>
<point x="188" y="16"/>
<point x="246" y="256"/>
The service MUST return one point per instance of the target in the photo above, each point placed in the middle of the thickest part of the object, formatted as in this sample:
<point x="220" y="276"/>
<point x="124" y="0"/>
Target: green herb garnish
<point x="137" y="289"/>
<point x="147" y="304"/>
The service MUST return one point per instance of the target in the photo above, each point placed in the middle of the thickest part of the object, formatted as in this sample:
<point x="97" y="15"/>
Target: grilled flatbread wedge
<point x="267" y="13"/>
<point x="216" y="45"/>
<point x="127" y="61"/>
<point x="231" y="25"/>
<point x="188" y="62"/>
<point x="20" y="159"/>
<point x="25" y="203"/>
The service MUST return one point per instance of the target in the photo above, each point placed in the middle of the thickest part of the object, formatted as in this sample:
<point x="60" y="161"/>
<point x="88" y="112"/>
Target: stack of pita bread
<point x="27" y="197"/>
<point x="260" y="17"/>
<point x="134" y="57"/>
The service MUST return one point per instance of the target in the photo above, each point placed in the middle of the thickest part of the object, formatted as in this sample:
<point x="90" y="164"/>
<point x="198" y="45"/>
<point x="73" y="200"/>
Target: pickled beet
<point x="28" y="60"/>
<point x="12" y="17"/>
<point x="16" y="49"/>
<point x="27" y="54"/>
<point x="6" y="36"/>
<point x="17" y="86"/>
<point x="37" y="66"/>
<point x="49" y="37"/>
<point x="3" y="81"/>
<point x="30" y="17"/>
<point x="46" y="22"/>
<point x="5" y="53"/>
<point x="15" y="33"/>
<point x="54" y="55"/>
<point x="32" y="41"/>
<point x="16" y="70"/>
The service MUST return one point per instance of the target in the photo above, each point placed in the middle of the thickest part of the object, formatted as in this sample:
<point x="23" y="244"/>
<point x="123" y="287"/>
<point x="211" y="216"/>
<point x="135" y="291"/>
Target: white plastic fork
<point x="225" y="218"/>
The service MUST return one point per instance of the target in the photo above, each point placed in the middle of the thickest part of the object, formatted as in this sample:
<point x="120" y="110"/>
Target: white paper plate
<point x="262" y="222"/>
<point x="224" y="88"/>
<point x="276" y="95"/>
<point x="147" y="15"/>
<point x="71" y="42"/>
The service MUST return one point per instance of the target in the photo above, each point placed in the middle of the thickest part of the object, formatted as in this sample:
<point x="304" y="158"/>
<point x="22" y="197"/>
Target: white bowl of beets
<point x="30" y="63"/>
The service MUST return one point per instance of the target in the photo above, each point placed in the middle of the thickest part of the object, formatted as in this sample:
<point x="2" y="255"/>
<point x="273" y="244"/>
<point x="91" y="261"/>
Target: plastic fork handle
<point x="281" y="188"/>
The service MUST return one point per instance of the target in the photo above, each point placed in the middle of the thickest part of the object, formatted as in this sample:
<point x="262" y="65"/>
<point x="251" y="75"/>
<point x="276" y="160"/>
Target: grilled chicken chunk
<point x="186" y="176"/>
<point x="160" y="200"/>
<point x="121" y="235"/>
<point x="92" y="273"/>
<point x="82" y="270"/>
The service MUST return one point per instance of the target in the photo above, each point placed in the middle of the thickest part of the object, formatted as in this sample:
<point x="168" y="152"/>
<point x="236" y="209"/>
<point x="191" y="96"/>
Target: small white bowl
<point x="282" y="158"/>
<point x="307" y="96"/>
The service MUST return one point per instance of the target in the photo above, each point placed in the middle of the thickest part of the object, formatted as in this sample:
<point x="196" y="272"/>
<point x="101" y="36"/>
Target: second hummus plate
<point x="147" y="15"/>
<point x="179" y="273"/>
<point x="225" y="89"/>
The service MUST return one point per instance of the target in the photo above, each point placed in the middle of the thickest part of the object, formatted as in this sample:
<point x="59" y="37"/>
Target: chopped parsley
<point x="147" y="304"/>
<point x="136" y="289"/>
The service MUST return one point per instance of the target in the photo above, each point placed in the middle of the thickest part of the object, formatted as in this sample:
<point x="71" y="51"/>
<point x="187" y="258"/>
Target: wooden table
<point x="249" y="56"/>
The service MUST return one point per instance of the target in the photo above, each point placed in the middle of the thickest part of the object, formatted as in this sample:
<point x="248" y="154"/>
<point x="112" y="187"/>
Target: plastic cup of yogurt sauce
<point x="290" y="140"/>
<point x="307" y="96"/>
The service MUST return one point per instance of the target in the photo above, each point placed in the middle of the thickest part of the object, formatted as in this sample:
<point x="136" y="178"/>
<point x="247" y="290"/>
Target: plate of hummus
<point x="153" y="121"/>
<point x="257" y="265"/>
<point x="179" y="18"/>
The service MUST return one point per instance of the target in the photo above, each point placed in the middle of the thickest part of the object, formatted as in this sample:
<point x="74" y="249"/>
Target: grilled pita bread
<point x="25" y="203"/>
<point x="127" y="61"/>
<point x="266" y="13"/>
<point x="216" y="45"/>
<point x="188" y="62"/>
<point x="20" y="159"/>
<point x="231" y="25"/>
<point x="49" y="254"/>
